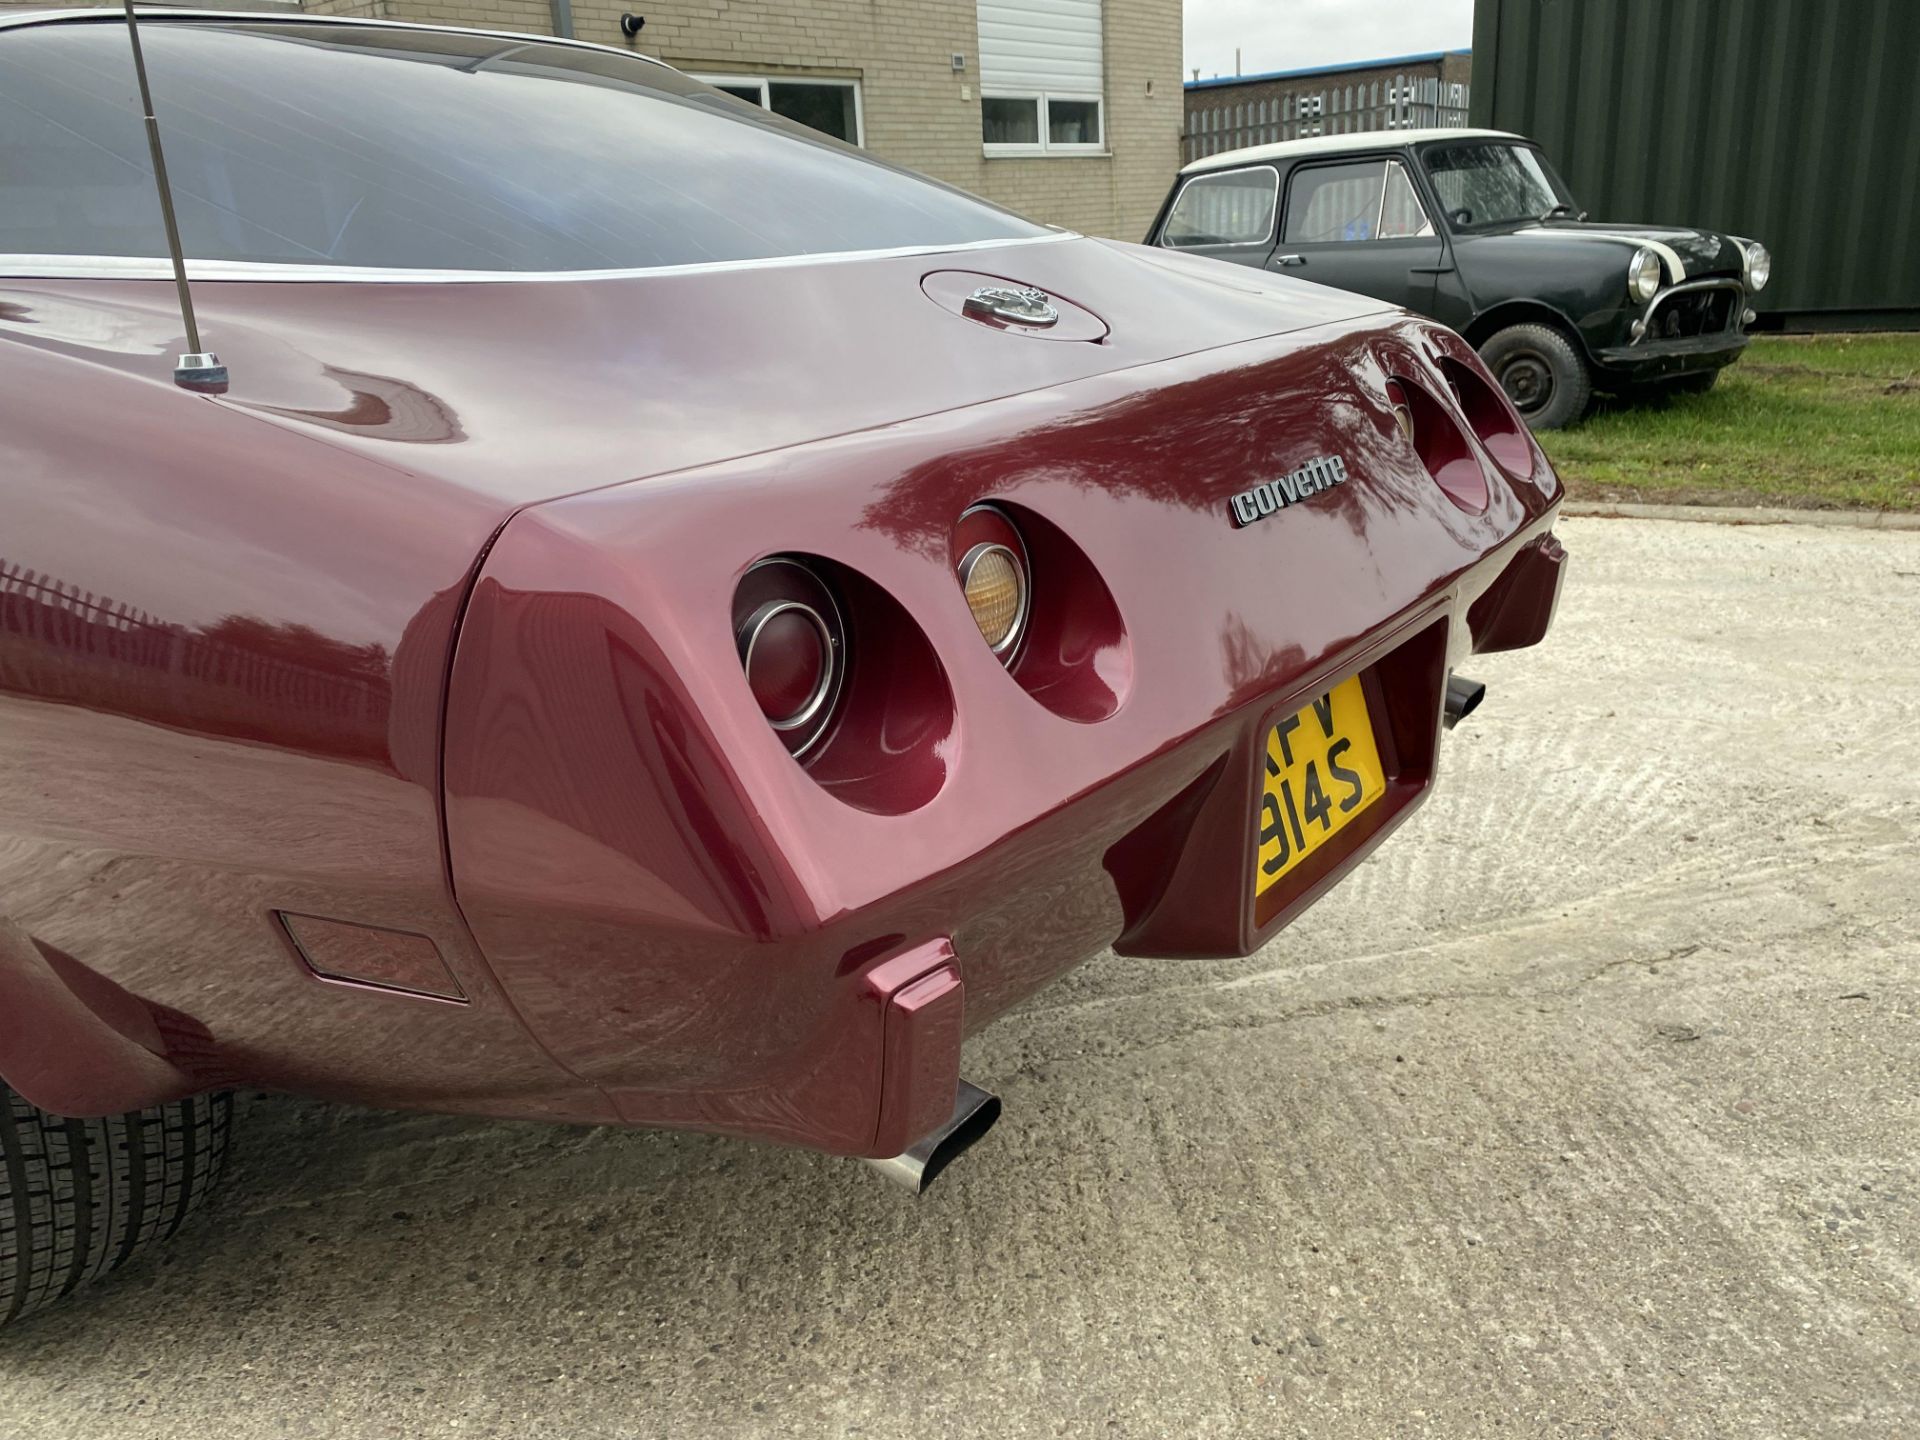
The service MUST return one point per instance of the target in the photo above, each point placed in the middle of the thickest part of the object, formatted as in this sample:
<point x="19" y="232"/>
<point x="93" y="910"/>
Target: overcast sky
<point x="1294" y="34"/>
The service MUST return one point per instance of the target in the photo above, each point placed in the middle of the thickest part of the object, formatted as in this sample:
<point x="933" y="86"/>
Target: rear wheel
<point x="1542" y="373"/>
<point x="80" y="1197"/>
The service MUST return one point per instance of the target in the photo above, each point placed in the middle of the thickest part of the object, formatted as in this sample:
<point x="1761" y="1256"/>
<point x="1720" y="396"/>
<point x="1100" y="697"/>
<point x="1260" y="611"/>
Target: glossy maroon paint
<point x="426" y="625"/>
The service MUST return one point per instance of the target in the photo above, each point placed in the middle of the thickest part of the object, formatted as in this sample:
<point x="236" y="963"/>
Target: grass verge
<point x="1821" y="422"/>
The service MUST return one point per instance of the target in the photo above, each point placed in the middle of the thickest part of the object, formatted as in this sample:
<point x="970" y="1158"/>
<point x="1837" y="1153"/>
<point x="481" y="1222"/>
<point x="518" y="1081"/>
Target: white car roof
<point x="1337" y="145"/>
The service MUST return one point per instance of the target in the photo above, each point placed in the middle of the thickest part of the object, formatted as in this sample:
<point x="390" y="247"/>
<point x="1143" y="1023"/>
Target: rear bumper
<point x="1175" y="879"/>
<point x="1205" y="905"/>
<point x="722" y="940"/>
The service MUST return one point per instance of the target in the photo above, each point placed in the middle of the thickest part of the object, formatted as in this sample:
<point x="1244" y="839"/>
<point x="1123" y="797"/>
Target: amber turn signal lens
<point x="1402" y="415"/>
<point x="993" y="593"/>
<point x="990" y="561"/>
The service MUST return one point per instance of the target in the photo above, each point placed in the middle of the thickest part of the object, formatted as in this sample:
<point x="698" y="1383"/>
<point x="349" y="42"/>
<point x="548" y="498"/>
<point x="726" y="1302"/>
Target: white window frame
<point x="1273" y="215"/>
<point x="1046" y="146"/>
<point x="745" y="82"/>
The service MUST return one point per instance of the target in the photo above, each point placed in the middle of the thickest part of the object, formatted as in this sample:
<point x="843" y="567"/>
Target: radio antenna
<point x="198" y="369"/>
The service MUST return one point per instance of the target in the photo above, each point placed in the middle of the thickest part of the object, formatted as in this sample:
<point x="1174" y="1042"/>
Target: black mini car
<point x="1474" y="228"/>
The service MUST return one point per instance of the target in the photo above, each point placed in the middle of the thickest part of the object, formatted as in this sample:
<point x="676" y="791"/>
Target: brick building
<point x="1064" y="110"/>
<point x="1405" y="92"/>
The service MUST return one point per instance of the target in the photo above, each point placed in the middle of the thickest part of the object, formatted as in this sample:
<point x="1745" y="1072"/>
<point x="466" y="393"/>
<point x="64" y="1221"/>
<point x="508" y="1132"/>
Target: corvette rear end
<point x="1242" y="586"/>
<point x="599" y="657"/>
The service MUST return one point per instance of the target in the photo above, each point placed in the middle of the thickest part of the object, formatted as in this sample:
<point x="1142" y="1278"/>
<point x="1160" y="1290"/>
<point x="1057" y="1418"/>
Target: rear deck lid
<point x="533" y="267"/>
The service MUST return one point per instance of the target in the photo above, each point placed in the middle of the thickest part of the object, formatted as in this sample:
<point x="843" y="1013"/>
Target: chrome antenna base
<point x="201" y="372"/>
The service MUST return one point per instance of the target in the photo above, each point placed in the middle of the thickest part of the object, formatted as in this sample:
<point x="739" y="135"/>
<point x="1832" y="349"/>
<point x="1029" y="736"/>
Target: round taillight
<point x="994" y="576"/>
<point x="1436" y="437"/>
<point x="1402" y="414"/>
<point x="788" y="657"/>
<point x="1492" y="418"/>
<point x="792" y="645"/>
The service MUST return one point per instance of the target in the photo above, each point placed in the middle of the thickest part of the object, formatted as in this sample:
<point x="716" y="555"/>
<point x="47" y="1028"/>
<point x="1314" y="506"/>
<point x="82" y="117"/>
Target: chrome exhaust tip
<point x="974" y="1112"/>
<point x="1463" y="698"/>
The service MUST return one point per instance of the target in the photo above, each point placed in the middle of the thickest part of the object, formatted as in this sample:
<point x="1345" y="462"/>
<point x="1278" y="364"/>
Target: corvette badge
<point x="1270" y="497"/>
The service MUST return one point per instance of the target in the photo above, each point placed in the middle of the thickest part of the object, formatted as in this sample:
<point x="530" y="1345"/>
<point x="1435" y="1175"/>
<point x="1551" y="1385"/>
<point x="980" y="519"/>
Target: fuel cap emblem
<point x="1006" y="305"/>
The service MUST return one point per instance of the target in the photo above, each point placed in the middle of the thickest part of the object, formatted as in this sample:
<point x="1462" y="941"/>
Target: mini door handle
<point x="1289" y="259"/>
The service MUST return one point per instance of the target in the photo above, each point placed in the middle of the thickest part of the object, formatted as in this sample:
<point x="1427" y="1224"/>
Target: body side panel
<point x="223" y="648"/>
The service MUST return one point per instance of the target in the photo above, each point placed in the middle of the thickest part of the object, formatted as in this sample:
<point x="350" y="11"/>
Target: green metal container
<point x="1793" y="122"/>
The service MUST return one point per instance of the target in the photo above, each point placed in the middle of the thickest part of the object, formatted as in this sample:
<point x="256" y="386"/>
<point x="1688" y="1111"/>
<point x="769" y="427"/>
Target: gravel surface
<point x="1587" y="1107"/>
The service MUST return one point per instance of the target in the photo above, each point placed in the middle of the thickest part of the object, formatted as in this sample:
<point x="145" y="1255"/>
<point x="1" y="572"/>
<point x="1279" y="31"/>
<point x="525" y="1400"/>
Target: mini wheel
<point x="1542" y="373"/>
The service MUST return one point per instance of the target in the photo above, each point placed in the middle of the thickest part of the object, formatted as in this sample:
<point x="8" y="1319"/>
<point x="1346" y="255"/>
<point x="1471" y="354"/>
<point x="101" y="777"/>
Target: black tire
<point x="1542" y="373"/>
<point x="80" y="1197"/>
<point x="1697" y="383"/>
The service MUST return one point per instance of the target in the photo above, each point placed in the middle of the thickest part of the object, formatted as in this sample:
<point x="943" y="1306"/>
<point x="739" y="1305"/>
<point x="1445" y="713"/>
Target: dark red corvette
<point x="669" y="621"/>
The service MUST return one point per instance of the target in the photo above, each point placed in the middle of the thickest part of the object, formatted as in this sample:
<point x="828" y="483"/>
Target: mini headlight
<point x="1643" y="275"/>
<point x="1759" y="265"/>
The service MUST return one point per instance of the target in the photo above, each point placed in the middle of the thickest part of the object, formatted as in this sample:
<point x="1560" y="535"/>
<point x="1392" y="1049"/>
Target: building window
<point x="1043" y="77"/>
<point x="1011" y="124"/>
<point x="1072" y="122"/>
<point x="1010" y="120"/>
<point x="829" y="106"/>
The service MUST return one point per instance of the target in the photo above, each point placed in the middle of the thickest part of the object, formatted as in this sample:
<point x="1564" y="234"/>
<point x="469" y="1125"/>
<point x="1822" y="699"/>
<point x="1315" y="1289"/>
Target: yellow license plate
<point x="1322" y="771"/>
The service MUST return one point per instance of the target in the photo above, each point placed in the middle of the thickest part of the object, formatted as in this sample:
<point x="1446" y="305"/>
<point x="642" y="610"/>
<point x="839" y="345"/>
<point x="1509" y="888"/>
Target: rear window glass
<point x="1234" y="207"/>
<point x="361" y="146"/>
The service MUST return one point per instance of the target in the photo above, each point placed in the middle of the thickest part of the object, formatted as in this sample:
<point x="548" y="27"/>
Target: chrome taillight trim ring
<point x="818" y="712"/>
<point x="829" y="659"/>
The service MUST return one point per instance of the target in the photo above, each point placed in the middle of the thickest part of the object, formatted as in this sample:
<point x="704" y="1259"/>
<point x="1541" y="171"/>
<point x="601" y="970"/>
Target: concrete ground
<point x="1590" y="1106"/>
